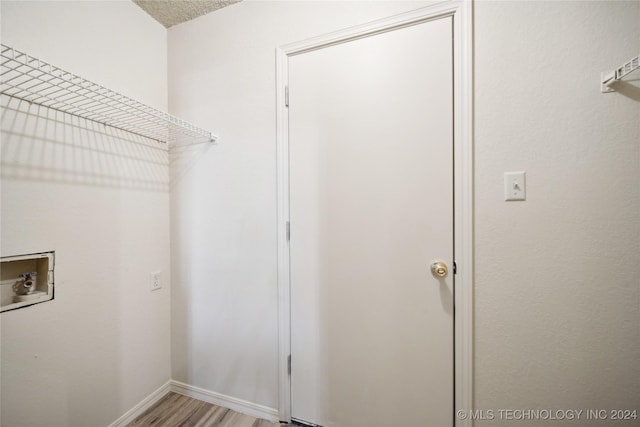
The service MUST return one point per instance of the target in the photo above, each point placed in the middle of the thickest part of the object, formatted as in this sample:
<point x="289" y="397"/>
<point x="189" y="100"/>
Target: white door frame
<point x="461" y="12"/>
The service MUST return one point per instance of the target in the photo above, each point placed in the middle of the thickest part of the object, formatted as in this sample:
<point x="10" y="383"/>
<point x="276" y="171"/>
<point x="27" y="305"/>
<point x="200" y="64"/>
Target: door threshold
<point x="297" y="422"/>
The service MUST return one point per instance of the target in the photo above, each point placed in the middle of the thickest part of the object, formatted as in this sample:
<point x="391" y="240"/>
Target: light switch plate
<point x="515" y="186"/>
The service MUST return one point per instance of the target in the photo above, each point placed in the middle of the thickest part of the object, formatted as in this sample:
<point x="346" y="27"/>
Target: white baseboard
<point x="238" y="405"/>
<point x="142" y="406"/>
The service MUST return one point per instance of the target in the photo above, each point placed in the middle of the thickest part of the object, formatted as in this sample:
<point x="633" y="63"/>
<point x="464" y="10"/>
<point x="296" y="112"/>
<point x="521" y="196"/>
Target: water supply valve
<point x="26" y="284"/>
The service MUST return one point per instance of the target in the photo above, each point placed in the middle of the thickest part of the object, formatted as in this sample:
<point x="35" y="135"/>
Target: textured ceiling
<point x="172" y="12"/>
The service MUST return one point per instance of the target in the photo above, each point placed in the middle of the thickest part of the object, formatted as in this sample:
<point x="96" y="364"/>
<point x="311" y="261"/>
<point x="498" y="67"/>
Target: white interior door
<point x="371" y="208"/>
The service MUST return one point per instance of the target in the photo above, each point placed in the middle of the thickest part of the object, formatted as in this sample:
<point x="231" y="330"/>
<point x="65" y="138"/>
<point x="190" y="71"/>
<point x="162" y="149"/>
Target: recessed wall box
<point x="26" y="280"/>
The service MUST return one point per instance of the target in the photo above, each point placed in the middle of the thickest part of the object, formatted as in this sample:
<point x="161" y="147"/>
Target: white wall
<point x="223" y="217"/>
<point x="557" y="294"/>
<point x="100" y="199"/>
<point x="558" y="276"/>
<point x="557" y="288"/>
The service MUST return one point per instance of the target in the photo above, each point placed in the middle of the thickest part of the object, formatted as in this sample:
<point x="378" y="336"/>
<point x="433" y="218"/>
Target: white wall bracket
<point x="609" y="77"/>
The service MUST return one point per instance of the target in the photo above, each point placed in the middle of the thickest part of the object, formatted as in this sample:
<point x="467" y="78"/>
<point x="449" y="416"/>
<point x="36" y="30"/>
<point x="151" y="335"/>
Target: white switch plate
<point x="515" y="186"/>
<point x="156" y="283"/>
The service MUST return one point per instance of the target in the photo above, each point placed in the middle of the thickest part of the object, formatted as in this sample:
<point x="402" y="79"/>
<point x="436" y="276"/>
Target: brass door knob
<point x="439" y="269"/>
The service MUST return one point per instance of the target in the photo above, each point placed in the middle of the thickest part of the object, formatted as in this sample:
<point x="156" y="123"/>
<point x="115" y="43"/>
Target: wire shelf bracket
<point x="25" y="77"/>
<point x="610" y="77"/>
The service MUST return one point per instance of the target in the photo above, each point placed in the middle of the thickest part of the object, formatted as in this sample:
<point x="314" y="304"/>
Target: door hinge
<point x="286" y="96"/>
<point x="288" y="231"/>
<point x="289" y="364"/>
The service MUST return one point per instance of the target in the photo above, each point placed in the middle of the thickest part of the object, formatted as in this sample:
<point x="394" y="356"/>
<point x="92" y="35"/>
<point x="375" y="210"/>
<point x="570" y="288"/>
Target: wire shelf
<point x="28" y="78"/>
<point x="607" y="79"/>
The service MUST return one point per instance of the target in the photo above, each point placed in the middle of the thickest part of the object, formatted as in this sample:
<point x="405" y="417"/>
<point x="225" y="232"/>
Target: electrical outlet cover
<point x="156" y="282"/>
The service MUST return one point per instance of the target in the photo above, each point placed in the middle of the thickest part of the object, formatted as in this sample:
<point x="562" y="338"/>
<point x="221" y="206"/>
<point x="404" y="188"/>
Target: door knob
<point x="439" y="269"/>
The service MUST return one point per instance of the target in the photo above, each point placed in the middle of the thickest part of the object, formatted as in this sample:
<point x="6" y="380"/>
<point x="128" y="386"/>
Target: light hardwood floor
<point x="176" y="410"/>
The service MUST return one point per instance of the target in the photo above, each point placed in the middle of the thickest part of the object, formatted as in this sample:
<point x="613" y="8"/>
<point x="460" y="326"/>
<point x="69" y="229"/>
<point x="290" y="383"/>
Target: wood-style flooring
<point x="176" y="410"/>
